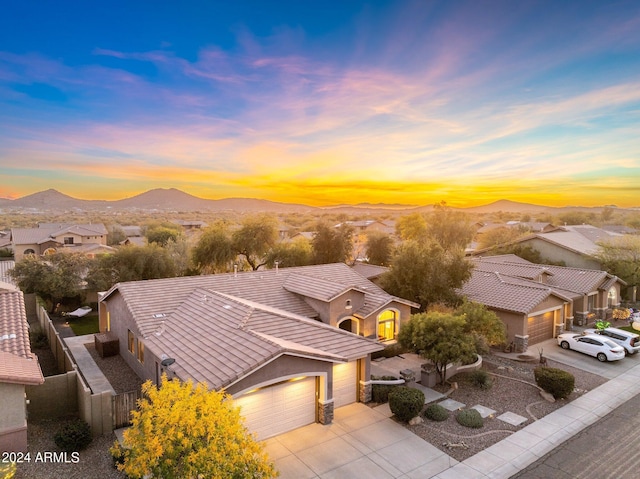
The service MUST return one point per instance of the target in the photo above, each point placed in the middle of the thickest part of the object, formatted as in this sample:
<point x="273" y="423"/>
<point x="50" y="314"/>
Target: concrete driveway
<point x="608" y="370"/>
<point x="362" y="442"/>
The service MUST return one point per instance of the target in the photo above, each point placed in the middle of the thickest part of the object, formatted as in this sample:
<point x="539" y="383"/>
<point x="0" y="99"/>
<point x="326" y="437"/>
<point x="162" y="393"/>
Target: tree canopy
<point x="621" y="256"/>
<point x="412" y="227"/>
<point x="56" y="278"/>
<point x="449" y="228"/>
<point x="182" y="430"/>
<point x="295" y="253"/>
<point x="213" y="253"/>
<point x="440" y="337"/>
<point x="255" y="238"/>
<point x="426" y="273"/>
<point x="379" y="248"/>
<point x="331" y="244"/>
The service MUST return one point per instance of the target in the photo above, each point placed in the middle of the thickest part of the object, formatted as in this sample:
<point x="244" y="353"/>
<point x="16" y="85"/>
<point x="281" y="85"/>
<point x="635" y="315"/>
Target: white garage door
<point x="345" y="384"/>
<point x="280" y="408"/>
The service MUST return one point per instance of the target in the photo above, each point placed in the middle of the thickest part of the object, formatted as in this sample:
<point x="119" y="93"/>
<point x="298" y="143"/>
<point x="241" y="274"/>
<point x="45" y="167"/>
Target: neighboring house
<point x="190" y="224"/>
<point x="50" y="238"/>
<point x="307" y="235"/>
<point x="573" y="245"/>
<point x="370" y="271"/>
<point x="19" y="368"/>
<point x="537" y="302"/>
<point x="280" y="341"/>
<point x="365" y="226"/>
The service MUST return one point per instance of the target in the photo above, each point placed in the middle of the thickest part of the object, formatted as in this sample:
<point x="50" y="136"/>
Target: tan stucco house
<point x="19" y="368"/>
<point x="290" y="344"/>
<point x="538" y="302"/>
<point x="48" y="238"/>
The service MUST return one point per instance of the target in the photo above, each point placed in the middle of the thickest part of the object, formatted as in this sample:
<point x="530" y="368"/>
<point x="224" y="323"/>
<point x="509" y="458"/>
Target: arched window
<point x="387" y="324"/>
<point x="49" y="251"/>
<point x="29" y="251"/>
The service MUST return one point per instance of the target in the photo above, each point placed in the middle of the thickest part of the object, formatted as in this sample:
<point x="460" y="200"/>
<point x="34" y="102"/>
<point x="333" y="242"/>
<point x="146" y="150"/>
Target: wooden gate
<point x="121" y="407"/>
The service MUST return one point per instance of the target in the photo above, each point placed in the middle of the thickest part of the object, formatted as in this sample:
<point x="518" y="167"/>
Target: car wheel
<point x="564" y="345"/>
<point x="601" y="357"/>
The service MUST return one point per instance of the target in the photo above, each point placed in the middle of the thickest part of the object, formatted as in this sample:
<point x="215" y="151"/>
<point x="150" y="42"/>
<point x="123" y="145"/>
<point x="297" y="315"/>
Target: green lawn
<point x="85" y="325"/>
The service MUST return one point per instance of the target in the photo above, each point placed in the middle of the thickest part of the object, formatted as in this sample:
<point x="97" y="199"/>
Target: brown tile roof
<point x="506" y="293"/>
<point x="316" y="288"/>
<point x="369" y="270"/>
<point x="46" y="232"/>
<point x="521" y="270"/>
<point x="146" y="298"/>
<point x="17" y="363"/>
<point x="219" y="339"/>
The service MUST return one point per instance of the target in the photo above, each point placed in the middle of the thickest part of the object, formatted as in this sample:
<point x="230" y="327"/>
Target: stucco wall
<point x="515" y="324"/>
<point x="13" y="406"/>
<point x="282" y="367"/>
<point x="556" y="253"/>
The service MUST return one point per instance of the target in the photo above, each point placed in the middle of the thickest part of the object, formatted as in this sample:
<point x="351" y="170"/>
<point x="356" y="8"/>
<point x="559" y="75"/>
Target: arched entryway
<point x="349" y="324"/>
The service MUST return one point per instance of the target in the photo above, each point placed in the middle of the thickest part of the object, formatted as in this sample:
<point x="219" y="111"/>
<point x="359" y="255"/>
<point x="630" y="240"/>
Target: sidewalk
<point x="509" y="456"/>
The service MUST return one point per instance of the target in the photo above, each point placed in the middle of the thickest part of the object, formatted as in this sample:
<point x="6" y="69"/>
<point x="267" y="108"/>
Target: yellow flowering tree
<point x="182" y="430"/>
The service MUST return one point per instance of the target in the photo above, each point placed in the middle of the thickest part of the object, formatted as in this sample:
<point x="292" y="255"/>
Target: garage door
<point x="276" y="409"/>
<point x="540" y="327"/>
<point x="345" y="384"/>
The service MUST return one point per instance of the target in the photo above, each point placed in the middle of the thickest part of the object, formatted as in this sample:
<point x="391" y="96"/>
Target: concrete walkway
<point x="364" y="443"/>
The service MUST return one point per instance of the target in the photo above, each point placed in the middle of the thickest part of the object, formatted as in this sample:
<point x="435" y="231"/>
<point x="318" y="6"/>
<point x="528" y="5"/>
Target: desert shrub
<point x="380" y="392"/>
<point x="436" y="412"/>
<point x="556" y="382"/>
<point x="469" y="418"/>
<point x="74" y="436"/>
<point x="480" y="379"/>
<point x="117" y="454"/>
<point x="406" y="403"/>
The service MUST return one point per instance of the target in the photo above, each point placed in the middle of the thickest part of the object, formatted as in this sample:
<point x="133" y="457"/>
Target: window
<point x="130" y="342"/>
<point x="140" y="351"/>
<point x="29" y="251"/>
<point x="68" y="240"/>
<point x="591" y="303"/>
<point x="387" y="325"/>
<point x="611" y="298"/>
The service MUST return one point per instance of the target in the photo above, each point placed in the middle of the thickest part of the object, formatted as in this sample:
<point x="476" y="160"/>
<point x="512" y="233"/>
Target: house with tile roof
<point x="48" y="238"/>
<point x="290" y="344"/>
<point x="538" y="302"/>
<point x="571" y="245"/>
<point x="19" y="368"/>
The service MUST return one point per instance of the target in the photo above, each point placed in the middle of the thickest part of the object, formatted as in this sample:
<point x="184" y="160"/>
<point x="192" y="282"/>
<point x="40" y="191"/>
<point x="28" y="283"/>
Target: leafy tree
<point x="56" y="278"/>
<point x="440" y="337"/>
<point x="379" y="248"/>
<point x="131" y="263"/>
<point x="255" y="237"/>
<point x="181" y="430"/>
<point x="426" y="273"/>
<point x="621" y="256"/>
<point x="498" y="236"/>
<point x="451" y="229"/>
<point x="179" y="252"/>
<point x="330" y="244"/>
<point x="213" y="253"/>
<point x="482" y="323"/>
<point x="161" y="235"/>
<point x="296" y="253"/>
<point x="116" y="235"/>
<point x="412" y="227"/>
<point x="525" y="252"/>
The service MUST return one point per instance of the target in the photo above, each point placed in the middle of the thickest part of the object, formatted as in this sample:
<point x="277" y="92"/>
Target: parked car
<point x="592" y="344"/>
<point x="629" y="341"/>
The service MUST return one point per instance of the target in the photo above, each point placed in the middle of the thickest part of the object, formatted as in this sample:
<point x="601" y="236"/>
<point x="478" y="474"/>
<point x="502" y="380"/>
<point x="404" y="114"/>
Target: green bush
<point x="436" y="412"/>
<point x="74" y="436"/>
<point x="406" y="403"/>
<point x="380" y="392"/>
<point x="38" y="339"/>
<point x="470" y="418"/>
<point x="481" y="379"/>
<point x="556" y="382"/>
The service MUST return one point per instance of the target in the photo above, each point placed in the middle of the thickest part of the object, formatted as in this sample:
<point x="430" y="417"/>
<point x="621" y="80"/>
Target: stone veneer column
<point x="325" y="411"/>
<point x="365" y="391"/>
<point x="522" y="343"/>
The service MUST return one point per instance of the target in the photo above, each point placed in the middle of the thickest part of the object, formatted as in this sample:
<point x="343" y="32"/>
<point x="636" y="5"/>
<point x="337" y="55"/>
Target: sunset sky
<point x="323" y="102"/>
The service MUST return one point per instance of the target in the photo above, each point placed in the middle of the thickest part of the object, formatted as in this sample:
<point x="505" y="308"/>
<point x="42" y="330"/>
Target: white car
<point x="593" y="345"/>
<point x="629" y="341"/>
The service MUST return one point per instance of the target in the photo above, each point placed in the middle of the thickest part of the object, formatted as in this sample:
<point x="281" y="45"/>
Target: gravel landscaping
<point x="513" y="391"/>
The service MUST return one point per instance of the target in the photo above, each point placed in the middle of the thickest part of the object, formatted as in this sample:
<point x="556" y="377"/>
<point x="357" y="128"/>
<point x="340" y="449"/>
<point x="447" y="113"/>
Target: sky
<point x="323" y="102"/>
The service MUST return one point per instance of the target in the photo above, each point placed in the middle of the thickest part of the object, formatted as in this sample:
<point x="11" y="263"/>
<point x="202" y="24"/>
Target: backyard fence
<point x="121" y="407"/>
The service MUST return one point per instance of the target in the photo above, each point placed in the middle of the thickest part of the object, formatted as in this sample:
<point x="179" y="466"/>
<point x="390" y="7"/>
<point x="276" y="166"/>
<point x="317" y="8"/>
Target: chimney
<point x="235" y="270"/>
<point x="277" y="263"/>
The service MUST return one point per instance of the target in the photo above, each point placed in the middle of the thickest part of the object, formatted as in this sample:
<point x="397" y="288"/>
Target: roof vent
<point x="159" y="315"/>
<point x="227" y="306"/>
<point x="8" y="336"/>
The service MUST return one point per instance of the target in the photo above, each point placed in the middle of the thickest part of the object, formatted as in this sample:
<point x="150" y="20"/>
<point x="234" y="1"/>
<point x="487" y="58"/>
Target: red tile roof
<point x="17" y="363"/>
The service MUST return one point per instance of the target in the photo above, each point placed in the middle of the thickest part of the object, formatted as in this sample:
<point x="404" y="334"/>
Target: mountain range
<point x="175" y="200"/>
